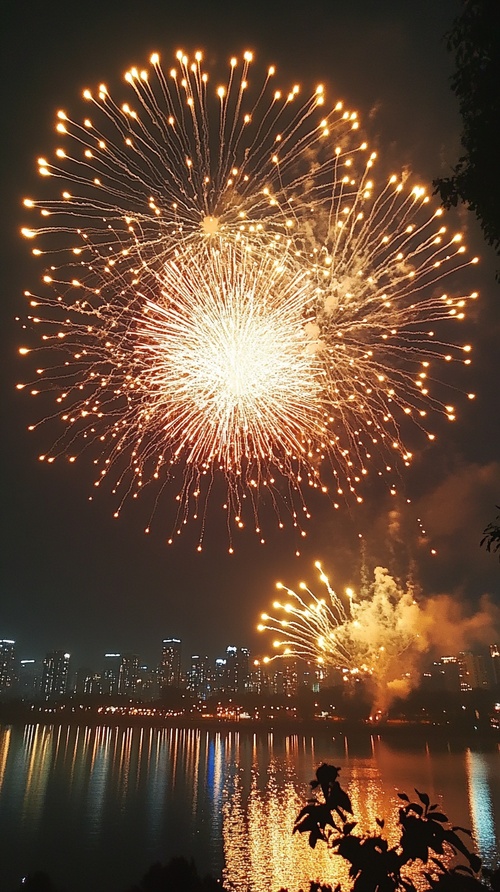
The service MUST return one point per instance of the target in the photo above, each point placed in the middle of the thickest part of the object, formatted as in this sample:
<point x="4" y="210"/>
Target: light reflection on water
<point x="481" y="806"/>
<point x="120" y="798"/>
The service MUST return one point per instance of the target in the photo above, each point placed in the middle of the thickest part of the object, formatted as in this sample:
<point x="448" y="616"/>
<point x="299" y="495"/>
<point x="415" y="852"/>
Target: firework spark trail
<point x="365" y="634"/>
<point x="226" y="291"/>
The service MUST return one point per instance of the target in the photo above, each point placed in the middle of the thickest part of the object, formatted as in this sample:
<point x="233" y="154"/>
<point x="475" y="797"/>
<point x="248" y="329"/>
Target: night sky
<point x="75" y="578"/>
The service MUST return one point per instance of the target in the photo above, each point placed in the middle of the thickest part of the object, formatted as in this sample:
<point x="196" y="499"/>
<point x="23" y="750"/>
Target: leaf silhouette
<point x="423" y="797"/>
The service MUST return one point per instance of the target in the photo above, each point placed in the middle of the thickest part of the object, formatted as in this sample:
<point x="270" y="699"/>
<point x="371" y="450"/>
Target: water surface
<point x="95" y="806"/>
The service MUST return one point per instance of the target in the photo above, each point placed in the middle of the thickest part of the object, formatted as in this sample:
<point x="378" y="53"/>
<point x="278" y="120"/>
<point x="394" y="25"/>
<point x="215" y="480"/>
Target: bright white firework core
<point x="210" y="225"/>
<point x="240" y="385"/>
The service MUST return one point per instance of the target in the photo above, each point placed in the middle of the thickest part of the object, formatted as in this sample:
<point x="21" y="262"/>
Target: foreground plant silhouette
<point x="426" y="836"/>
<point x="178" y="875"/>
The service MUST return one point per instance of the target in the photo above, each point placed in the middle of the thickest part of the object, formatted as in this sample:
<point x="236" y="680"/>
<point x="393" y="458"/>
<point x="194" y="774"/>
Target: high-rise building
<point x="111" y="674"/>
<point x="276" y="677"/>
<point x="443" y="675"/>
<point x="7" y="666"/>
<point x="147" y="684"/>
<point x="259" y="678"/>
<point x="219" y="675"/>
<point x="129" y="673"/>
<point x="291" y="675"/>
<point x="198" y="676"/>
<point x="87" y="681"/>
<point x="237" y="669"/>
<point x="55" y="674"/>
<point x="473" y="672"/>
<point x="170" y="666"/>
<point x="29" y="679"/>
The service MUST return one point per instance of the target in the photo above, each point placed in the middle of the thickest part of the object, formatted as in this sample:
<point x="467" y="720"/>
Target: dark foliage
<point x="179" y="875"/>
<point x="475" y="41"/>
<point x="316" y="815"/>
<point x="491" y="537"/>
<point x="426" y="836"/>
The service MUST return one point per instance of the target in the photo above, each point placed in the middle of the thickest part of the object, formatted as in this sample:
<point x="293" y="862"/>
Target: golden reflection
<point x="254" y="749"/>
<point x="215" y="766"/>
<point x="95" y="746"/>
<point x="76" y="756"/>
<point x="149" y="749"/>
<point x="194" y="769"/>
<point x="258" y="842"/>
<point x="87" y="734"/>
<point x="57" y="742"/>
<point x="154" y="742"/>
<point x="139" y="758"/>
<point x="235" y="840"/>
<point x="262" y="854"/>
<point x="237" y="751"/>
<point x="291" y="746"/>
<point x="190" y="746"/>
<point x="5" y="735"/>
<point x="39" y="754"/>
<point x="175" y="753"/>
<point x="100" y="764"/>
<point x="369" y="798"/>
<point x="124" y="762"/>
<point x="160" y="769"/>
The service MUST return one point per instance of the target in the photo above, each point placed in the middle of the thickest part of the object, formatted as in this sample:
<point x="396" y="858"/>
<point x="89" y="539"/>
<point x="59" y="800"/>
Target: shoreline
<point x="395" y="729"/>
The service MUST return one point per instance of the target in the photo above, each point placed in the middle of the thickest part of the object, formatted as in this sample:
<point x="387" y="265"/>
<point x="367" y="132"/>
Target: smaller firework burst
<point x="365" y="634"/>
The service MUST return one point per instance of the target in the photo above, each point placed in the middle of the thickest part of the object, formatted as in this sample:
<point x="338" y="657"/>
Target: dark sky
<point x="72" y="576"/>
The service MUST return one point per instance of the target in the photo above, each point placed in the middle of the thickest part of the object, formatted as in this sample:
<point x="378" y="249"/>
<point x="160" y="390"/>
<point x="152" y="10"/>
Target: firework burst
<point x="226" y="291"/>
<point x="365" y="634"/>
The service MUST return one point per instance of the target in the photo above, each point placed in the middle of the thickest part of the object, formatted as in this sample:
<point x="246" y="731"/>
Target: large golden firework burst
<point x="226" y="291"/>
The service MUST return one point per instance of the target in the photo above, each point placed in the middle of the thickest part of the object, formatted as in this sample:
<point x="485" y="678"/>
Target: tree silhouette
<point x="475" y="41"/>
<point x="426" y="838"/>
<point x="179" y="875"/>
<point x="491" y="537"/>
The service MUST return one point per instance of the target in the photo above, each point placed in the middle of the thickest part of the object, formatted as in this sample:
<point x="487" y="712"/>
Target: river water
<point x="95" y="806"/>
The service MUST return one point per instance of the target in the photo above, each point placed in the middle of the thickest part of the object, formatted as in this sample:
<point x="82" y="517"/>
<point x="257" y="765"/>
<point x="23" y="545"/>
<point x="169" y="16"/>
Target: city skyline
<point x="237" y="671"/>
